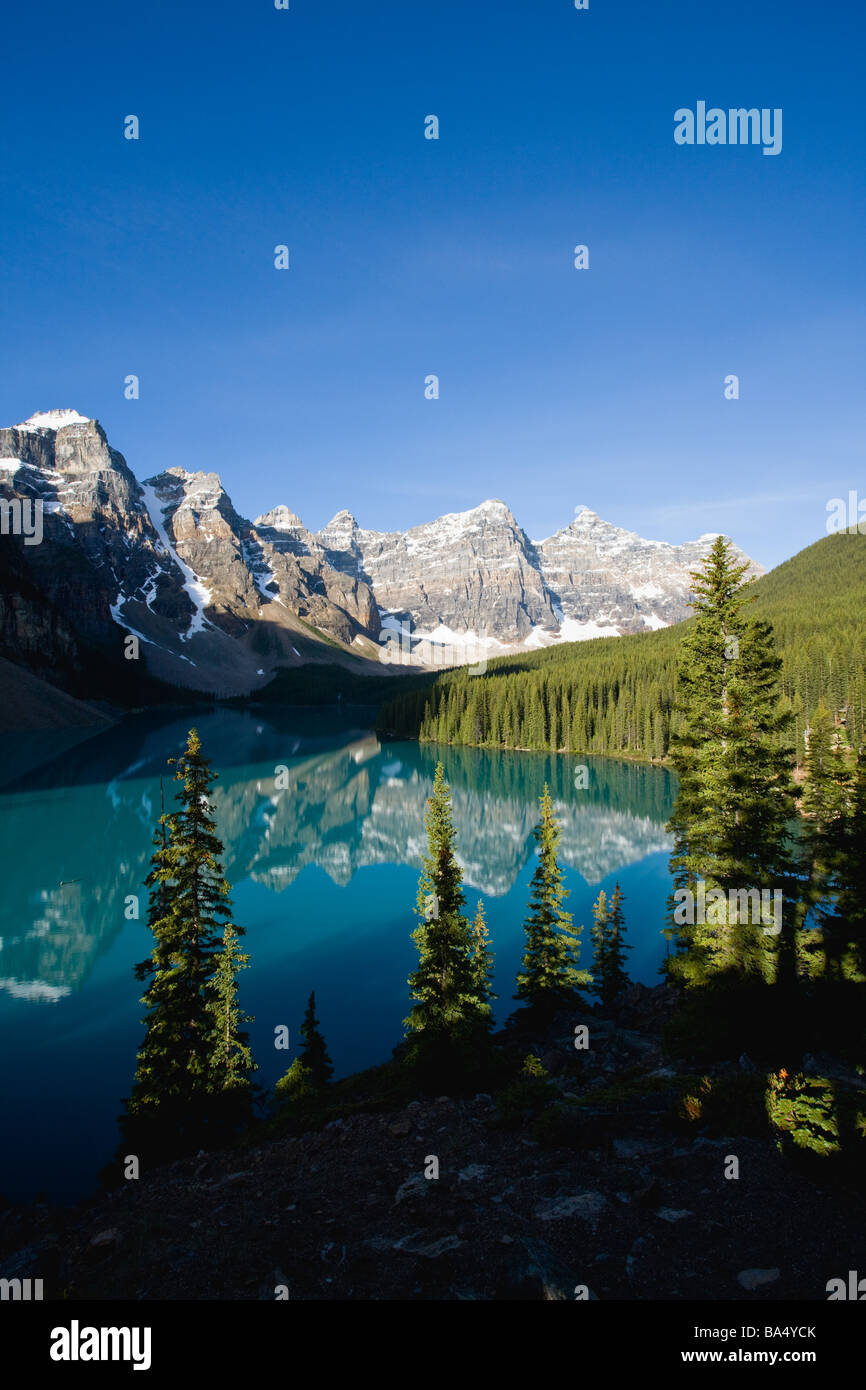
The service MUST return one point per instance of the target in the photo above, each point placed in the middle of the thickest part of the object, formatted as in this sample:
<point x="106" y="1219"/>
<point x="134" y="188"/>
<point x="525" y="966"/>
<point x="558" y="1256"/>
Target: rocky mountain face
<point x="217" y="603"/>
<point x="611" y="580"/>
<point x="474" y="583"/>
<point x="468" y="572"/>
<point x="213" y="604"/>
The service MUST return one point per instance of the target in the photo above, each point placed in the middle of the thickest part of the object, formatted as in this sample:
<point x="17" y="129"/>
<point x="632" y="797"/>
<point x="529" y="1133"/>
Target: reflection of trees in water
<point x="647" y="791"/>
<point x="340" y="809"/>
<point x="364" y="805"/>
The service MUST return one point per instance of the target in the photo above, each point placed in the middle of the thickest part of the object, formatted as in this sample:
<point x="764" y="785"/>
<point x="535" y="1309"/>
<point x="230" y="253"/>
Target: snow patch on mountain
<point x="574" y="631"/>
<point x="262" y="575"/>
<point x="115" y="610"/>
<point x="199" y="593"/>
<point x="450" y="591"/>
<point x="281" y="518"/>
<point x="53" y="420"/>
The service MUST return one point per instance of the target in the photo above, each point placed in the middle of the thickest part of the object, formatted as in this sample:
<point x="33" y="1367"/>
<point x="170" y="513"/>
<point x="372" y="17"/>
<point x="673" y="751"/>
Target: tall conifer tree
<point x="608" y="934"/>
<point x="599" y="934"/>
<point x="231" y="1058"/>
<point x="550" y="976"/>
<point x="846" y="932"/>
<point x="736" y="795"/>
<point x="823" y="805"/>
<point x="189" y="910"/>
<point x="448" y="1015"/>
<point x="482" y="956"/>
<point x="314" y="1054"/>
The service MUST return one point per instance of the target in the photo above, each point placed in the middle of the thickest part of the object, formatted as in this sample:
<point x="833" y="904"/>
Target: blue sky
<point x="408" y="257"/>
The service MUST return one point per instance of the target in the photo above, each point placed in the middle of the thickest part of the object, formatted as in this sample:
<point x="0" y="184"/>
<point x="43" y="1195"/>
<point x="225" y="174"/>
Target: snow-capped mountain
<point x="219" y="603"/>
<point x="474" y="583"/>
<point x="607" y="580"/>
<point x="213" y="605"/>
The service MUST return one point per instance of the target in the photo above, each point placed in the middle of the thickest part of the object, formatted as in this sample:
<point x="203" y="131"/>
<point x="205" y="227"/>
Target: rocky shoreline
<point x="594" y="1186"/>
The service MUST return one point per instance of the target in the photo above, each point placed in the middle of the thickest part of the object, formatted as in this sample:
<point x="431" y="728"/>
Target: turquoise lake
<point x="324" y="874"/>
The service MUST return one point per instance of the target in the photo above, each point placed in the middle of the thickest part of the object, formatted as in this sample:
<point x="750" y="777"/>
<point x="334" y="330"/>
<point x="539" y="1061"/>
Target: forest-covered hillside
<point x="616" y="695"/>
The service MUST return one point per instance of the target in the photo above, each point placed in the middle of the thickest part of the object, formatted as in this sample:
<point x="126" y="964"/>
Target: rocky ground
<point x="598" y="1186"/>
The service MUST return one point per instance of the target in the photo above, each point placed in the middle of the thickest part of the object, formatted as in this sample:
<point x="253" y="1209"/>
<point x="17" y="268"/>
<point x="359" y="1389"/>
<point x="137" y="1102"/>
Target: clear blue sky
<point x="454" y="257"/>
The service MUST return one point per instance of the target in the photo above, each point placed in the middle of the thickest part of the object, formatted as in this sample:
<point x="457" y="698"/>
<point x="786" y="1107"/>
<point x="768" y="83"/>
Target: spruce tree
<point x="822" y="806"/>
<point x="482" y="956"/>
<point x="845" y="932"/>
<point x="736" y="796"/>
<point x="550" y="977"/>
<point x="598" y="932"/>
<point x="608" y="934"/>
<point x="189" y="908"/>
<point x="161" y="1074"/>
<point x="231" y="1059"/>
<point x="314" y="1054"/>
<point x="449" y="1016"/>
<point x="617" y="946"/>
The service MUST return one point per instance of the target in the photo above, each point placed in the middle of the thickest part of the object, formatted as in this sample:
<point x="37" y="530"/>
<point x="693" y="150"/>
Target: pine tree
<point x="736" y="796"/>
<point x="599" y="934"/>
<point x="550" y="977"/>
<point x="608" y="934"/>
<point x="449" y="1016"/>
<point x="617" y="977"/>
<point x="231" y="1059"/>
<point x="482" y="956"/>
<point x="158" y="879"/>
<point x="161" y="1072"/>
<point x="189" y="908"/>
<point x="822" y="806"/>
<point x="314" y="1054"/>
<point x="845" y="933"/>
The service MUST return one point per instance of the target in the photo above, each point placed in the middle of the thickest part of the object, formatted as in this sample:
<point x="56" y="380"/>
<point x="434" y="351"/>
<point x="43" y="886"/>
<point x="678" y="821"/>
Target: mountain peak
<point x="338" y="533"/>
<point x="187" y="478"/>
<point x="280" y="518"/>
<point x="54" y="420"/>
<point x="493" y="509"/>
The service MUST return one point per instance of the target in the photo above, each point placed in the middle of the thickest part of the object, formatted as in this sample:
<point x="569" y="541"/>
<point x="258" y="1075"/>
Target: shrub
<point x="802" y="1110"/>
<point x="530" y="1093"/>
<point x="691" y="1108"/>
<point x="725" y="1104"/>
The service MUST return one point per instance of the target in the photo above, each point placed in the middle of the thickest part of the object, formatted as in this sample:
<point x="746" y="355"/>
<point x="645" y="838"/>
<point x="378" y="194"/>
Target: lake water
<point x="324" y="875"/>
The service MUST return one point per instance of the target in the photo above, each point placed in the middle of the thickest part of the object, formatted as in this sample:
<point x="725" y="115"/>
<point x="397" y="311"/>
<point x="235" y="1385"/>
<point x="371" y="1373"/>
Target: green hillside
<point x="615" y="695"/>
